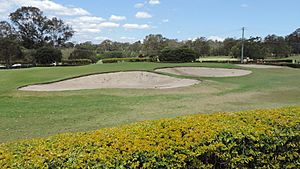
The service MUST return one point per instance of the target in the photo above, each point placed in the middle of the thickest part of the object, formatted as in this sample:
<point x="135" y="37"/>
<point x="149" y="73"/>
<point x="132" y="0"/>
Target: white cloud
<point x="216" y="38"/>
<point x="154" y="2"/>
<point x="109" y="25"/>
<point x="143" y="15"/>
<point x="244" y="5"/>
<point x="47" y="6"/>
<point x="117" y="18"/>
<point x="101" y="38"/>
<point x="165" y="20"/>
<point x="90" y="19"/>
<point x="128" y="39"/>
<point x="136" y="26"/>
<point x="139" y="5"/>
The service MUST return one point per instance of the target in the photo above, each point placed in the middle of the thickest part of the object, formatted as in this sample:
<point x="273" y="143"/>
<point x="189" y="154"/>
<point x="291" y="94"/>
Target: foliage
<point x="113" y="54"/>
<point x="177" y="55"/>
<point x="84" y="53"/>
<point x="10" y="51"/>
<point x="250" y="139"/>
<point x="117" y="60"/>
<point x="48" y="55"/>
<point x="76" y="62"/>
<point x="294" y="41"/>
<point x="254" y="49"/>
<point x="36" y="30"/>
<point x="277" y="45"/>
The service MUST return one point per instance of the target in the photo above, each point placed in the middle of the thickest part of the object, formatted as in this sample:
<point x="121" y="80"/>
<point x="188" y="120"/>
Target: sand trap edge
<point x="109" y="72"/>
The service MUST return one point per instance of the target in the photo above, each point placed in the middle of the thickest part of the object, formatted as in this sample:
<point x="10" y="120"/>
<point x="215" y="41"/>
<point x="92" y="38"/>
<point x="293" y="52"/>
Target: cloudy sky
<point x="132" y="20"/>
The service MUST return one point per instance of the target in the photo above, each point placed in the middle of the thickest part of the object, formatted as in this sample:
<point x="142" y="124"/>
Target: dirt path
<point x="135" y="79"/>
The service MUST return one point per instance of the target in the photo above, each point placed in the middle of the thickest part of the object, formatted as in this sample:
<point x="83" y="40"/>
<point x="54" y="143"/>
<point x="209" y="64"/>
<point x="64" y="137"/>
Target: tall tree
<point x="57" y="32"/>
<point x="35" y="29"/>
<point x="294" y="41"/>
<point x="153" y="44"/>
<point x="10" y="51"/>
<point x="277" y="46"/>
<point x="201" y="46"/>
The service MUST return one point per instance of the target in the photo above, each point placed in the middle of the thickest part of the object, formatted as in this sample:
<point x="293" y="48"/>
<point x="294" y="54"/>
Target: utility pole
<point x="243" y="44"/>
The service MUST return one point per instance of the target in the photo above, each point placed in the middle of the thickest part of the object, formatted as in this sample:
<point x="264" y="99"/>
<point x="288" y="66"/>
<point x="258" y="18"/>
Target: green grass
<point x="39" y="114"/>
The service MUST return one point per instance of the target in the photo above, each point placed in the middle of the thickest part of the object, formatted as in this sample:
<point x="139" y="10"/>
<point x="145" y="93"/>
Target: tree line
<point x="31" y="37"/>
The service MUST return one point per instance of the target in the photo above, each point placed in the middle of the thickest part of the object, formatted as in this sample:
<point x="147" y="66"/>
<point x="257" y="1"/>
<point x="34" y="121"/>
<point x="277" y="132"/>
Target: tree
<point x="153" y="44"/>
<point x="294" y="41"/>
<point x="7" y="30"/>
<point x="181" y="54"/>
<point x="277" y="46"/>
<point x="58" y="33"/>
<point x="36" y="30"/>
<point x="228" y="44"/>
<point x="48" y="55"/>
<point x="201" y="46"/>
<point x="10" y="51"/>
<point x="84" y="53"/>
<point x="254" y="49"/>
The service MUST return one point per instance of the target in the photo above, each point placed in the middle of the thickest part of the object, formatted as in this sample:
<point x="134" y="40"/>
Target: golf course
<point x="38" y="114"/>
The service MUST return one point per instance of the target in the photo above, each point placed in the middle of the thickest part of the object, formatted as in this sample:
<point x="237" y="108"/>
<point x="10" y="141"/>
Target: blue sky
<point x="131" y="20"/>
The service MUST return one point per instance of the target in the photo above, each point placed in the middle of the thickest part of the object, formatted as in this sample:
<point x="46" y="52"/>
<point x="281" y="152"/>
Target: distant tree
<point x="36" y="30"/>
<point x="294" y="41"/>
<point x="254" y="49"/>
<point x="277" y="46"/>
<point x="84" y="53"/>
<point x="48" y="55"/>
<point x="153" y="44"/>
<point x="228" y="44"/>
<point x="201" y="46"/>
<point x="10" y="51"/>
<point x="181" y="54"/>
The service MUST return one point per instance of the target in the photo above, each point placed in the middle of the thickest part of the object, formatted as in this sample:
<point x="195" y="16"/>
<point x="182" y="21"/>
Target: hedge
<point x="249" y="139"/>
<point x="76" y="62"/>
<point x="117" y="60"/>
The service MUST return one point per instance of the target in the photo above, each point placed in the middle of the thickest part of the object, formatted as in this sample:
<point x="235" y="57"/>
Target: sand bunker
<point x="205" y="72"/>
<point x="261" y="66"/>
<point x="135" y="79"/>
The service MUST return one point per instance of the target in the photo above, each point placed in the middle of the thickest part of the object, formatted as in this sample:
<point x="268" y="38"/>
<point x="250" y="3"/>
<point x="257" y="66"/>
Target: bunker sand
<point x="129" y="80"/>
<point x="205" y="72"/>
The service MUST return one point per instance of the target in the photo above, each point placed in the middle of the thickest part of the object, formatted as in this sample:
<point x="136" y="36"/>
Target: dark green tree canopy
<point x="36" y="30"/>
<point x="10" y="51"/>
<point x="177" y="55"/>
<point x="48" y="55"/>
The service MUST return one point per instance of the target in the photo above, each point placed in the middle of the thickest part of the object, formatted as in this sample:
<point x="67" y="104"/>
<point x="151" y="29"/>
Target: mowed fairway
<point x="25" y="114"/>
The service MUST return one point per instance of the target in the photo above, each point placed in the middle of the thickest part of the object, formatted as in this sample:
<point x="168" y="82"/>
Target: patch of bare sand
<point x="260" y="66"/>
<point x="205" y="72"/>
<point x="129" y="80"/>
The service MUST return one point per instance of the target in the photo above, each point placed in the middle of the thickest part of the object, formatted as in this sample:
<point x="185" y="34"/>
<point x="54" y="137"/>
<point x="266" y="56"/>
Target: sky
<point x="132" y="20"/>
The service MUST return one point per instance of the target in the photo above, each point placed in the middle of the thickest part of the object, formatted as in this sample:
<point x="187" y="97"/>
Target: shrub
<point x="177" y="55"/>
<point x="47" y="55"/>
<point x="250" y="139"/>
<point x="76" y="62"/>
<point x="117" y="60"/>
<point x="114" y="54"/>
<point x="83" y="53"/>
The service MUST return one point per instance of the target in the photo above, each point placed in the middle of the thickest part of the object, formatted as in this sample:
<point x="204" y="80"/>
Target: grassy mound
<point x="250" y="139"/>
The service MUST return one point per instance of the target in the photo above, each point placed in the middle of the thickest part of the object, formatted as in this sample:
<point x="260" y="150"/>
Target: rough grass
<point x="40" y="114"/>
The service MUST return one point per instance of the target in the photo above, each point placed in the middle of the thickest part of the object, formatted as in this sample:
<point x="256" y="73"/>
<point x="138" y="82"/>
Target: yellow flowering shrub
<point x="249" y="139"/>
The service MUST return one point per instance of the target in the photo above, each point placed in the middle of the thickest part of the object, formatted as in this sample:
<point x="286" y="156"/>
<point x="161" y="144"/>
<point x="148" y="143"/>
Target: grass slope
<point x="40" y="114"/>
